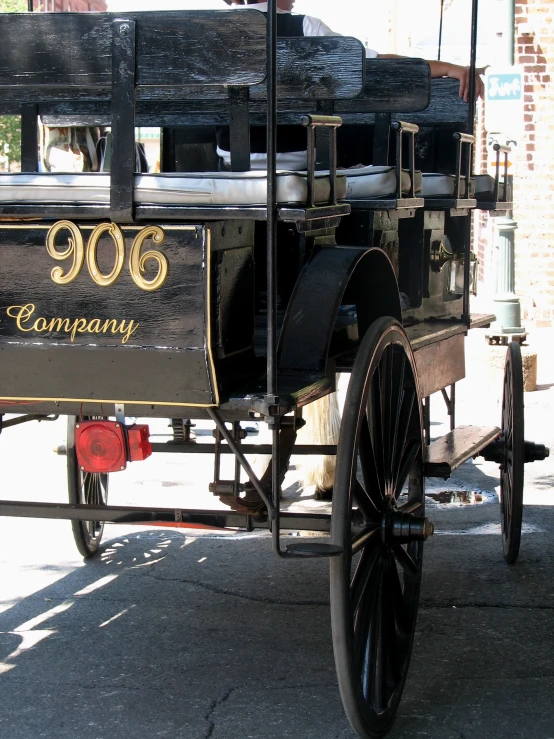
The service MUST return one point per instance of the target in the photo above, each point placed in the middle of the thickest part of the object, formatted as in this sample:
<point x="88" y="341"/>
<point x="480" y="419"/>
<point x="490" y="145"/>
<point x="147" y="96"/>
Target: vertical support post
<point x="123" y="121"/>
<point x="427" y="419"/>
<point x="167" y="153"/>
<point x="381" y="138"/>
<point x="29" y="137"/>
<point x="272" y="397"/>
<point x="239" y="128"/>
<point x="466" y="316"/>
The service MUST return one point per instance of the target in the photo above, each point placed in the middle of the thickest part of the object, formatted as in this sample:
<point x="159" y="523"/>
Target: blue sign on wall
<point x="504" y="100"/>
<point x="504" y="86"/>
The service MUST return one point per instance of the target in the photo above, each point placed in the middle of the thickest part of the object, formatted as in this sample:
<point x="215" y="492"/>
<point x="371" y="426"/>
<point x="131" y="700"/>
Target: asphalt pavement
<point x="188" y="635"/>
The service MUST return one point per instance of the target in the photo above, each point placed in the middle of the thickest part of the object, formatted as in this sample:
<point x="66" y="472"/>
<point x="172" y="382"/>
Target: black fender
<point x="332" y="277"/>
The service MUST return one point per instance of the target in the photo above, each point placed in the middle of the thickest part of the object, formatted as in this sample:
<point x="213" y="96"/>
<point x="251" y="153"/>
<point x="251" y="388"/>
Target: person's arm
<point x="454" y="71"/>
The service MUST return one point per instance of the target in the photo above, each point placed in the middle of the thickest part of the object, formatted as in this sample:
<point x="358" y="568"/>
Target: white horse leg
<point x="322" y="427"/>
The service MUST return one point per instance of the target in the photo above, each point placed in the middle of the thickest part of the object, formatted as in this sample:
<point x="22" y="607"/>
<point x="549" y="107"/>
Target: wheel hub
<point x="398" y="527"/>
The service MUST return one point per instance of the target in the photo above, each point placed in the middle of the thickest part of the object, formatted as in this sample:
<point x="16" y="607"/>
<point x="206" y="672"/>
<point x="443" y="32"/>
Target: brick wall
<point x="533" y="161"/>
<point x="534" y="181"/>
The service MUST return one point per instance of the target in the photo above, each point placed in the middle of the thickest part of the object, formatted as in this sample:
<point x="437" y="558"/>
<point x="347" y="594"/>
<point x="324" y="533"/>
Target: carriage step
<point x="313" y="549"/>
<point x="446" y="454"/>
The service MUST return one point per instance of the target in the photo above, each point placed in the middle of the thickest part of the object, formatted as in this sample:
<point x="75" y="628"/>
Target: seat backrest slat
<point x="322" y="68"/>
<point x="173" y="48"/>
<point x="175" y="54"/>
<point x="392" y="85"/>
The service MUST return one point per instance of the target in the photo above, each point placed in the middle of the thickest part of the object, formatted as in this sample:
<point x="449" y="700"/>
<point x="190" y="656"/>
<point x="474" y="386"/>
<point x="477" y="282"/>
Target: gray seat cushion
<point x="199" y="189"/>
<point x="484" y="188"/>
<point x="435" y="185"/>
<point x="375" y="182"/>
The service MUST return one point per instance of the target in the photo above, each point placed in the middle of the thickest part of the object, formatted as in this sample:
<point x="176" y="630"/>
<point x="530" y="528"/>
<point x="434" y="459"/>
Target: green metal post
<point x="506" y="303"/>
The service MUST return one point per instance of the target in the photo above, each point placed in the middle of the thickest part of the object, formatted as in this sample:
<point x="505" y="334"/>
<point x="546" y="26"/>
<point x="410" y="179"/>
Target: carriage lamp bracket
<point x="439" y="255"/>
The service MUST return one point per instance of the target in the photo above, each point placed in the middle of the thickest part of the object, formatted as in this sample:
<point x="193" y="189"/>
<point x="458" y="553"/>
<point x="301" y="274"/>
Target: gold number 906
<point x="77" y="251"/>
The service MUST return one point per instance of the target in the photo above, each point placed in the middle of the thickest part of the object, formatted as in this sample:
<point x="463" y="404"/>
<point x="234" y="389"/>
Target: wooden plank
<point x="172" y="52"/>
<point x="446" y="106"/>
<point x="481" y="320"/>
<point x="322" y="68"/>
<point x="122" y="166"/>
<point x="173" y="48"/>
<point x="391" y="86"/>
<point x="429" y="332"/>
<point x="440" y="364"/>
<point x="446" y="454"/>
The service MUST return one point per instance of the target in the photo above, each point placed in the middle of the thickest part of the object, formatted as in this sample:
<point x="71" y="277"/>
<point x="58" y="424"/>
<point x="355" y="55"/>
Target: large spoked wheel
<point x="377" y="519"/>
<point x="513" y="457"/>
<point x="84" y="487"/>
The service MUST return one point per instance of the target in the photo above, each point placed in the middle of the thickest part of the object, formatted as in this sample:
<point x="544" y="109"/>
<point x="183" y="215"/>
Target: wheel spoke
<point x="374" y="484"/>
<point x="398" y="425"/>
<point x="362" y="576"/>
<point x="386" y="398"/>
<point x="396" y="596"/>
<point x="405" y="560"/>
<point x="364" y="536"/>
<point x="376" y="432"/>
<point x="366" y="505"/>
<point x="392" y="613"/>
<point x="406" y="410"/>
<point x="410" y="506"/>
<point x="368" y="638"/>
<point x="410" y="453"/>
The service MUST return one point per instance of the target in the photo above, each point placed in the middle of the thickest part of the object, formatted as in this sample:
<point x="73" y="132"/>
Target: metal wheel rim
<point x="374" y="620"/>
<point x="512" y="466"/>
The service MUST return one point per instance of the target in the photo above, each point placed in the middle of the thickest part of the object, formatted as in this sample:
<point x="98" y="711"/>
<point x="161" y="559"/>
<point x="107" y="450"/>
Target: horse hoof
<point x="323" y="493"/>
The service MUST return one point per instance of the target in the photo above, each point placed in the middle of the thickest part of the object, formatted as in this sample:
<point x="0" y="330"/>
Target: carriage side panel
<point x="98" y="312"/>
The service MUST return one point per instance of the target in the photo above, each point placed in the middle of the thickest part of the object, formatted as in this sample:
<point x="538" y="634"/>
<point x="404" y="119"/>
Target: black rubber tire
<point x="512" y="466"/>
<point x="375" y="589"/>
<point x="84" y="487"/>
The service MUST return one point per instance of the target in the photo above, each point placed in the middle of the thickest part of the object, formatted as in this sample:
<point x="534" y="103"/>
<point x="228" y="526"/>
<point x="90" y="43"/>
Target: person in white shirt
<point x="314" y="27"/>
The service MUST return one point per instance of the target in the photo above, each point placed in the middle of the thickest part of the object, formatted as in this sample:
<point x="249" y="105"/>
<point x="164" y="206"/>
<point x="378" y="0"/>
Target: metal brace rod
<point x="450" y="404"/>
<point x="26" y="419"/>
<point x="216" y="418"/>
<point x="219" y="519"/>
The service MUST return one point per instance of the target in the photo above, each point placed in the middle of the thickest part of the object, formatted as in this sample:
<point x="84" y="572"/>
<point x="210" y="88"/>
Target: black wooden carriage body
<point x="138" y="295"/>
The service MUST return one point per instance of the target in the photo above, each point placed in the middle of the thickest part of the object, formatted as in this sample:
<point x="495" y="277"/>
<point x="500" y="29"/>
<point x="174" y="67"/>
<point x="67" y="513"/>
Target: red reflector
<point x="139" y="445"/>
<point x="100" y="446"/>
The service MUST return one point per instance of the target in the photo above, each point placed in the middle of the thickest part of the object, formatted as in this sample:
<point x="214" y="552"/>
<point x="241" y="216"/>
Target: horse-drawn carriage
<point x="140" y="295"/>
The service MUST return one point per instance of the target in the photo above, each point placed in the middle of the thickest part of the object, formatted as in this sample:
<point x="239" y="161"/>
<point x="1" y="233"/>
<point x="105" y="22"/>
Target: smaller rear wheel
<point x="90" y="488"/>
<point x="511" y="466"/>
